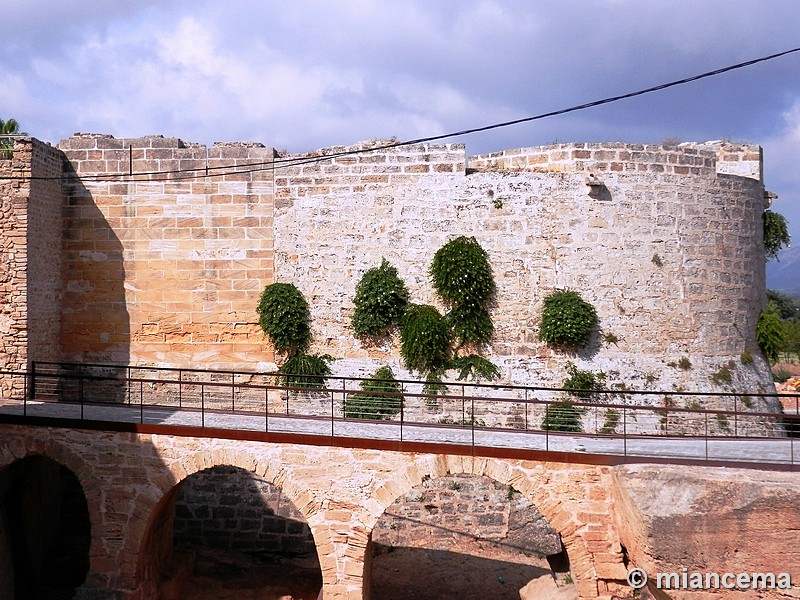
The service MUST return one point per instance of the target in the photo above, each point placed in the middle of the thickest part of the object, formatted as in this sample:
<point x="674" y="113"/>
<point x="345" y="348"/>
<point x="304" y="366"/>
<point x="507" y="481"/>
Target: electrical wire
<point x="283" y="162"/>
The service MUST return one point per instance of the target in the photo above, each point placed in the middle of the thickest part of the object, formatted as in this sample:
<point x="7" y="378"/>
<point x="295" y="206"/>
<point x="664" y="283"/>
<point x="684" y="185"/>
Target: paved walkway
<point x="776" y="451"/>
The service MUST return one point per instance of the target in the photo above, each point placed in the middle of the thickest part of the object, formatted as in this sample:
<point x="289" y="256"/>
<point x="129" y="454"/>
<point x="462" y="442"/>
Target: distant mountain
<point x="783" y="275"/>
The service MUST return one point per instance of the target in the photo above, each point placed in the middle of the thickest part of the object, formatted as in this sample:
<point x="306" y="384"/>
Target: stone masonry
<point x="166" y="246"/>
<point x="131" y="482"/>
<point x="30" y="256"/>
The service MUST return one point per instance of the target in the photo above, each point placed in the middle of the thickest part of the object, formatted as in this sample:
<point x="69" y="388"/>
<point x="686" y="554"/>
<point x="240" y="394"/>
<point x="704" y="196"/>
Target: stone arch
<point x="62" y="453"/>
<point x="46" y="529"/>
<point x="558" y="491"/>
<point x="155" y="544"/>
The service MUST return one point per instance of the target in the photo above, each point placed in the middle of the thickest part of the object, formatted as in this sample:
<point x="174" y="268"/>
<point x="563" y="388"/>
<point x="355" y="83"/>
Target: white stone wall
<point x="668" y="251"/>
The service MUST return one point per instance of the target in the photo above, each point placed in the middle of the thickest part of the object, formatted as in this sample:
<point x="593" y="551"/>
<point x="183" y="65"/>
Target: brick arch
<point x="562" y="493"/>
<point x="159" y="519"/>
<point x="61" y="454"/>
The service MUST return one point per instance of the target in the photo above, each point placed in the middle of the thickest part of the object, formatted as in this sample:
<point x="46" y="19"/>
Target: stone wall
<point x="167" y="246"/>
<point x="667" y="249"/>
<point x="30" y="257"/>
<point x="230" y="509"/>
<point x="166" y="269"/>
<point x="130" y="482"/>
<point x="447" y="510"/>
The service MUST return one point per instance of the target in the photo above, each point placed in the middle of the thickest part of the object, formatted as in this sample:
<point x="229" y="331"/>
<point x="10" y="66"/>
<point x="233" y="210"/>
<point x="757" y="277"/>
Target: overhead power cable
<point x="203" y="172"/>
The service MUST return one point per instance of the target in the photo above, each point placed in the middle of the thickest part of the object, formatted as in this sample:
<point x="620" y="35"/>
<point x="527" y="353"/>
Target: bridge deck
<point x="780" y="453"/>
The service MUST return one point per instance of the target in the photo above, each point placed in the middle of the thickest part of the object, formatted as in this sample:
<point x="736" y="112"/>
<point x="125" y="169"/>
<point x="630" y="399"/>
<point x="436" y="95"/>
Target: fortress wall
<point x="44" y="254"/>
<point x="14" y="194"/>
<point x="668" y="251"/>
<point x="30" y="258"/>
<point x="166" y="269"/>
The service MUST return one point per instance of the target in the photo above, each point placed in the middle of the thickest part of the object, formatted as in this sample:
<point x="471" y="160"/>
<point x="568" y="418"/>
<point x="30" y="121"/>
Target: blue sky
<point x="302" y="75"/>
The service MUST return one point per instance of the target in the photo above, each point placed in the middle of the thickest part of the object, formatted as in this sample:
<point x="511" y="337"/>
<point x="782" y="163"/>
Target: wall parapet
<point x="706" y="159"/>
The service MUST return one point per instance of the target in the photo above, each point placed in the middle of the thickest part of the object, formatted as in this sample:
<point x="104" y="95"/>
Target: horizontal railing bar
<point x="411" y="381"/>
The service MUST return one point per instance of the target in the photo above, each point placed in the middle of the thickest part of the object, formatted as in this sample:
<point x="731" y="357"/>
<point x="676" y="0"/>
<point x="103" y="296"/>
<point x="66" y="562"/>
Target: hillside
<point x="783" y="275"/>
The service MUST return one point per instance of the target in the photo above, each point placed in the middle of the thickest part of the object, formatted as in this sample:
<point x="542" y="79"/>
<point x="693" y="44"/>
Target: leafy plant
<point x="7" y="129"/>
<point x="470" y="325"/>
<point x="722" y="376"/>
<point x="285" y="318"/>
<point x="474" y="367"/>
<point x="583" y="384"/>
<point x="566" y="319"/>
<point x="562" y="416"/>
<point x="684" y="363"/>
<point x="776" y="233"/>
<point x="306" y="371"/>
<point x="380" y="301"/>
<point x="610" y="422"/>
<point x="425" y="339"/>
<point x="657" y="261"/>
<point x="380" y="397"/>
<point x="610" y="338"/>
<point x="722" y="421"/>
<point x="461" y="273"/>
<point x="746" y="357"/>
<point x="433" y="386"/>
<point x="462" y="277"/>
<point x="769" y="333"/>
<point x="780" y="375"/>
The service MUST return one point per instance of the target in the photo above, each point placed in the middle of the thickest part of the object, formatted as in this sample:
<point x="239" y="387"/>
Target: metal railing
<point x="705" y="426"/>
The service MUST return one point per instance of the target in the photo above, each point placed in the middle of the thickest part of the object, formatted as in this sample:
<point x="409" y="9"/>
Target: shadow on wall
<point x="45" y="531"/>
<point x="223" y="529"/>
<point x="95" y="325"/>
<point x="462" y="536"/>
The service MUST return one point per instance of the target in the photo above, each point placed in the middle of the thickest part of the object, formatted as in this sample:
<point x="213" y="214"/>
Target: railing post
<point x="625" y="427"/>
<point x="32" y="387"/>
<point x="266" y="409"/>
<point x="233" y="391"/>
<point x="402" y="408"/>
<point x="202" y="405"/>
<point x="526" y="409"/>
<point x="332" y="416"/>
<point x="80" y="388"/>
<point x="180" y="388"/>
<point x="141" y="402"/>
<point x="706" y="436"/>
<point x="472" y="420"/>
<point x="546" y="426"/>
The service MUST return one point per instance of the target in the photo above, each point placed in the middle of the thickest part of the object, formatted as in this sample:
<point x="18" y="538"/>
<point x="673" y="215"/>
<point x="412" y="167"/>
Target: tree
<point x="776" y="234"/>
<point x="7" y="129"/>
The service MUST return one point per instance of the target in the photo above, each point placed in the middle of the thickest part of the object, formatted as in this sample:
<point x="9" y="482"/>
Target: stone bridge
<point x="131" y="479"/>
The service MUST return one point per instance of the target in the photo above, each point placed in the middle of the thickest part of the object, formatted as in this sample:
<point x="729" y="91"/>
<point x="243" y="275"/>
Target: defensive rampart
<point x="167" y="245"/>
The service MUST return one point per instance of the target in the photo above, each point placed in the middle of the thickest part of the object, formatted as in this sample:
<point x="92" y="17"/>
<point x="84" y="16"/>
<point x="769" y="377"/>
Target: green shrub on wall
<point x="567" y="319"/>
<point x="380" y="301"/>
<point x="562" y="416"/>
<point x="583" y="384"/>
<point x="425" y="339"/>
<point x="379" y="397"/>
<point x="475" y="368"/>
<point x="462" y="277"/>
<point x="776" y="233"/>
<point x="285" y="318"/>
<point x="769" y="333"/>
<point x="306" y="371"/>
